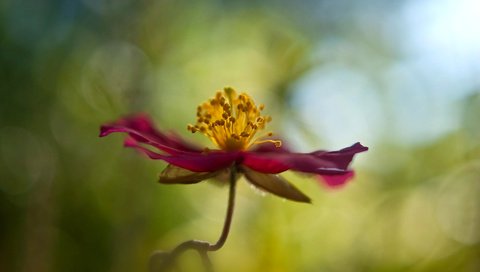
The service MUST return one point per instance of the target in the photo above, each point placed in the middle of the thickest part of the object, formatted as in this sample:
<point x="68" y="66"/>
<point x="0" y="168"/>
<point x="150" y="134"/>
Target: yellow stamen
<point x="231" y="121"/>
<point x="277" y="143"/>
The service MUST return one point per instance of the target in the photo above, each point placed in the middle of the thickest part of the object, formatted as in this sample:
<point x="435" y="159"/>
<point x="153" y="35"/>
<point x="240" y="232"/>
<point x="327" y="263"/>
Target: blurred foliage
<point x="70" y="201"/>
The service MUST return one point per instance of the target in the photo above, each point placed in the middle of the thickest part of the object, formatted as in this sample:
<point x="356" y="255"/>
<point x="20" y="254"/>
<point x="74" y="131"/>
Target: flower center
<point x="231" y="121"/>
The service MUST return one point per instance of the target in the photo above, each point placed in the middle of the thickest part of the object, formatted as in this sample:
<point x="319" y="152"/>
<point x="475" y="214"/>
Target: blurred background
<point x="399" y="76"/>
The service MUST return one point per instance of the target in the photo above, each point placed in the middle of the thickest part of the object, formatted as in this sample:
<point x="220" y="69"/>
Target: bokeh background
<point x="402" y="77"/>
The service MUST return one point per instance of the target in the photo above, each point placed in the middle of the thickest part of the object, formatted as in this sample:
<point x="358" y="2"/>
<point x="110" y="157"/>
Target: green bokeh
<point x="70" y="201"/>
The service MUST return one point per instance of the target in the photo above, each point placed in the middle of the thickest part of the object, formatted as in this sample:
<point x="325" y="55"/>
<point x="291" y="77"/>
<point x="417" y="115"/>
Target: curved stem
<point x="203" y="247"/>
<point x="228" y="217"/>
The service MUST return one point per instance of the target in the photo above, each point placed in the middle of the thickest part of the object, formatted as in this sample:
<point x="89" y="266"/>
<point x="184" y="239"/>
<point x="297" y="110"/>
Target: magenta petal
<point x="140" y="128"/>
<point x="343" y="157"/>
<point x="334" y="181"/>
<point x="203" y="162"/>
<point x="265" y="162"/>
<point x="193" y="161"/>
<point x="319" y="162"/>
<point x="274" y="163"/>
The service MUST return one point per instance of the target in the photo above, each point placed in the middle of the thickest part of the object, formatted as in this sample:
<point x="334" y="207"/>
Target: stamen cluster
<point x="231" y="121"/>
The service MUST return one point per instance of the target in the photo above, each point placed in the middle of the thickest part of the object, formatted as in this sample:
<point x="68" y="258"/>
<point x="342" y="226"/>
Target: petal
<point x="318" y="162"/>
<point x="141" y="128"/>
<point x="267" y="162"/>
<point x="275" y="184"/>
<point x="336" y="181"/>
<point x="175" y="175"/>
<point x="275" y="163"/>
<point x="193" y="161"/>
<point x="343" y="157"/>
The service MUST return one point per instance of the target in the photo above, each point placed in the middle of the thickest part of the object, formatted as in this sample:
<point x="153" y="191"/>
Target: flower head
<point x="233" y="123"/>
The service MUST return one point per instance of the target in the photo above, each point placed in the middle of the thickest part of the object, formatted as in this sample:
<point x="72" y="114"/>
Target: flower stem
<point x="167" y="259"/>
<point x="228" y="217"/>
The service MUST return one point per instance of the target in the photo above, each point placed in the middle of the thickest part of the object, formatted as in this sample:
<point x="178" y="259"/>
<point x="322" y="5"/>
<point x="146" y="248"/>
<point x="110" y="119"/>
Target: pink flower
<point x="232" y="121"/>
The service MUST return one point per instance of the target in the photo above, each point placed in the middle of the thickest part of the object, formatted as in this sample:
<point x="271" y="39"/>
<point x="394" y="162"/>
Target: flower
<point x="233" y="122"/>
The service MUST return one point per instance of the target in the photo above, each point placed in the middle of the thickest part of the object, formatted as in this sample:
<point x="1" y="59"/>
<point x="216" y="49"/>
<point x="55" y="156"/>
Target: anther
<point x="229" y="116"/>
<point x="228" y="90"/>
<point x="191" y="128"/>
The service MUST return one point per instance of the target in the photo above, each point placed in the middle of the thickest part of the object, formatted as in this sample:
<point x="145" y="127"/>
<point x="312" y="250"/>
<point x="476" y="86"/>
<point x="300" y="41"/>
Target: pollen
<point x="232" y="121"/>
